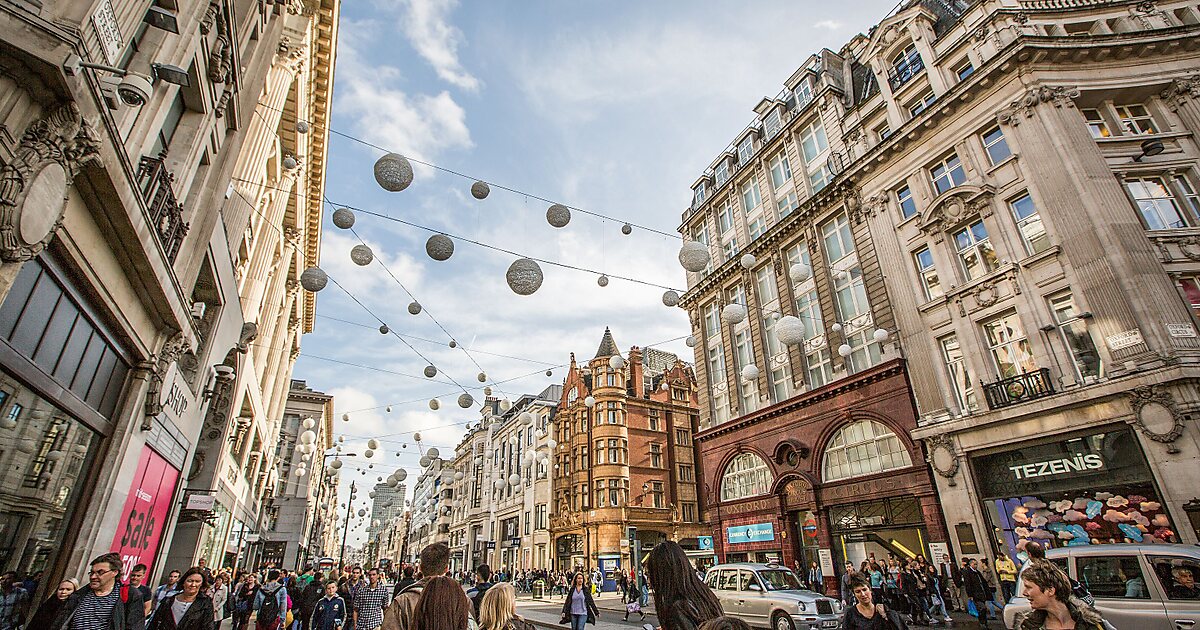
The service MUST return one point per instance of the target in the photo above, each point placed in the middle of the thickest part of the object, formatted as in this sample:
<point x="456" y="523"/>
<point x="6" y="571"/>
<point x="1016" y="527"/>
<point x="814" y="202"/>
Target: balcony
<point x="1018" y="389"/>
<point x="166" y="215"/>
<point x="904" y="72"/>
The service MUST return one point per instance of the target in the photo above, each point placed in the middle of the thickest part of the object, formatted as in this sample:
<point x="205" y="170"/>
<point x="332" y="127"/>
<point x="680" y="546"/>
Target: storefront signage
<point x="489" y="545"/>
<point x="759" y="532"/>
<point x="202" y="502"/>
<point x="146" y="511"/>
<point x="1060" y="466"/>
<point x="706" y="542"/>
<point x="939" y="552"/>
<point x="175" y="395"/>
<point x="1181" y="330"/>
<point x="758" y="505"/>
<point x="871" y="488"/>
<point x="825" y="557"/>
<point x="1124" y="339"/>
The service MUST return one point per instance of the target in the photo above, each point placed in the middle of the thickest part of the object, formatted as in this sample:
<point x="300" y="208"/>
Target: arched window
<point x="746" y="476"/>
<point x="863" y="448"/>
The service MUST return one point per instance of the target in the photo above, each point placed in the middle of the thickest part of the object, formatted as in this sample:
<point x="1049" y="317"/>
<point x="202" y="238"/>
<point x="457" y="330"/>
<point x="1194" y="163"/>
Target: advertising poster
<point x="146" y="510"/>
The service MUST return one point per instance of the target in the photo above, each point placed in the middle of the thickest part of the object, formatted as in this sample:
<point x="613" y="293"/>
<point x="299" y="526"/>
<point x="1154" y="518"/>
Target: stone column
<point x="1183" y="97"/>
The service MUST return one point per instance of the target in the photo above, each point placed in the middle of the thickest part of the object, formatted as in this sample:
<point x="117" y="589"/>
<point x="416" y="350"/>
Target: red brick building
<point x="826" y="476"/>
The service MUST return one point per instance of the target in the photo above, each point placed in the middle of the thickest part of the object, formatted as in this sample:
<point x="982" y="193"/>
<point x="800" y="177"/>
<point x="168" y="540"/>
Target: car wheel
<point x="782" y="622"/>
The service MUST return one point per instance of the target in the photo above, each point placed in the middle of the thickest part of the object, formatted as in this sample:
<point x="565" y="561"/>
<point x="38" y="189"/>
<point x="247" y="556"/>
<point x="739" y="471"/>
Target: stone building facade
<point x="1014" y="182"/>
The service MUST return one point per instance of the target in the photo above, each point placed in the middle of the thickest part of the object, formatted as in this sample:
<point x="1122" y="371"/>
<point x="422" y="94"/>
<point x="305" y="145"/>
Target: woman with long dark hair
<point x="243" y="600"/>
<point x="579" y="609"/>
<point x="443" y="605"/>
<point x="682" y="601"/>
<point x="189" y="609"/>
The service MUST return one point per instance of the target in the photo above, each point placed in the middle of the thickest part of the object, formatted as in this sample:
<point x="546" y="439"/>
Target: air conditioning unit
<point x="198" y="310"/>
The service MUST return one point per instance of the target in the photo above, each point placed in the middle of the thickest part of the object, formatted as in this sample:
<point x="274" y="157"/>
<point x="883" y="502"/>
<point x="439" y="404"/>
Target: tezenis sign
<point x="1063" y="465"/>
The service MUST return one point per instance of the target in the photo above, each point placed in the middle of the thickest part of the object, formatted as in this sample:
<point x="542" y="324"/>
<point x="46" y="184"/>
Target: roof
<point x="608" y="347"/>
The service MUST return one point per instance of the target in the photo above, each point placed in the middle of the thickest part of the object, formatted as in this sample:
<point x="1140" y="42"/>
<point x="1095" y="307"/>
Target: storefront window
<point x="746" y="476"/>
<point x="863" y="448"/>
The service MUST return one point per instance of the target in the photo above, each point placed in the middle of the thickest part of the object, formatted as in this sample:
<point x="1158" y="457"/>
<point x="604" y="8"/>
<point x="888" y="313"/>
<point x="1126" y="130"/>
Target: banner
<point x="146" y="510"/>
<point x="759" y="532"/>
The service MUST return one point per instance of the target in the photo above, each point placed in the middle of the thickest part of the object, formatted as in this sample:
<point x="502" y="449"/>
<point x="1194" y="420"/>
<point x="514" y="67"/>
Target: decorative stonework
<point x="954" y="207"/>
<point x="1059" y="96"/>
<point x="941" y="457"/>
<point x="1157" y="415"/>
<point x="1181" y="90"/>
<point x="159" y="364"/>
<point x="33" y="185"/>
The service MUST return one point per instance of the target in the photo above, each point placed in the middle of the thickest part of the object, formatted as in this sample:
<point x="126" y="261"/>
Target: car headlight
<point x="801" y="606"/>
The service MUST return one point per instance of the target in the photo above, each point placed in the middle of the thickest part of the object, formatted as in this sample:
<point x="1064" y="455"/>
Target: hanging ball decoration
<point x="733" y="313"/>
<point x="748" y="261"/>
<point x="524" y="276"/>
<point x="371" y="494"/>
<point x="414" y="308"/>
<point x="694" y="256"/>
<point x="401" y="474"/>
<point x="309" y="423"/>
<point x="627" y="229"/>
<point x="290" y="162"/>
<point x="458" y="476"/>
<point x="526" y="418"/>
<point x="393" y="172"/>
<point x="552" y="443"/>
<point x="424" y="461"/>
<point x="499" y="484"/>
<point x="372" y="444"/>
<point x="314" y="279"/>
<point x="487" y="391"/>
<point x="388" y="409"/>
<point x="345" y="417"/>
<point x="335" y="464"/>
<point x="480" y="190"/>
<point x="302" y="126"/>
<point x="362" y="512"/>
<point x="836" y="327"/>
<point x="433" y="452"/>
<point x="416" y="437"/>
<point x="558" y="215"/>
<point x="616" y="362"/>
<point x="690" y="341"/>
<point x="790" y="330"/>
<point x="549" y="372"/>
<point x="465" y="401"/>
<point x="392" y="482"/>
<point x="343" y="218"/>
<point x="453" y="343"/>
<point x="880" y="335"/>
<point x="799" y="272"/>
<point x="750" y="372"/>
<point x="602" y="280"/>
<point x="341" y="438"/>
<point x="505" y="405"/>
<point x="840" y="274"/>
<point x="481" y="377"/>
<point x="361" y="255"/>
<point x="845" y="350"/>
<point x="512" y="439"/>
<point x="434" y="404"/>
<point x="590" y="401"/>
<point x="368" y="453"/>
<point x="670" y="298"/>
<point x="383" y="329"/>
<point x="430" y="371"/>
<point x="439" y="247"/>
<point x="514" y="480"/>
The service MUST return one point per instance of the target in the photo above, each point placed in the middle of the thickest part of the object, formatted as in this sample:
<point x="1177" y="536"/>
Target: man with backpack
<point x="271" y="604"/>
<point x="482" y="584"/>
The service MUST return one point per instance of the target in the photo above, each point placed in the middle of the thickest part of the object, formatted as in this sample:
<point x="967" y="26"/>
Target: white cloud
<point x="428" y="30"/>
<point x="829" y="25"/>
<point x="372" y="279"/>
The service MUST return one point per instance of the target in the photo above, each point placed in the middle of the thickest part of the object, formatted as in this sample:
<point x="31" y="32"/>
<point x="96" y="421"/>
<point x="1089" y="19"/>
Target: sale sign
<point x="145" y="512"/>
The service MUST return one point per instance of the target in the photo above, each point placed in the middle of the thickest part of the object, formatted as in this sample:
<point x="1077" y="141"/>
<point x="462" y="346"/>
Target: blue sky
<point x="615" y="107"/>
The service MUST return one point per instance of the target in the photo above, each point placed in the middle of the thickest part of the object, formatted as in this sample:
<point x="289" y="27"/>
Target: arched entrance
<point x="570" y="552"/>
<point x="799" y="502"/>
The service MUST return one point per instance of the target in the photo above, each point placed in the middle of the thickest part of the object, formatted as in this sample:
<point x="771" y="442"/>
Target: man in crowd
<point x="482" y="584"/>
<point x="14" y="601"/>
<point x="435" y="562"/>
<point x="369" y="602"/>
<point x="271" y="603"/>
<point x="137" y="580"/>
<point x="977" y="589"/>
<point x="351" y="587"/>
<point x="202" y="564"/>
<point x="847" y="595"/>
<point x="166" y="590"/>
<point x="100" y="606"/>
<point x="406" y="579"/>
<point x="1006" y="570"/>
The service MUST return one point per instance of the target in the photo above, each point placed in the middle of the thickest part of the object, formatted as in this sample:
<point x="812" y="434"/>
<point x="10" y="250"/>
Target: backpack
<point x="270" y="605"/>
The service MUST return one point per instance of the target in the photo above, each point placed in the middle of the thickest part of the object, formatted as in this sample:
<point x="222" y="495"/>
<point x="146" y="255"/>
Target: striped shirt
<point x="369" y="604"/>
<point x="95" y="612"/>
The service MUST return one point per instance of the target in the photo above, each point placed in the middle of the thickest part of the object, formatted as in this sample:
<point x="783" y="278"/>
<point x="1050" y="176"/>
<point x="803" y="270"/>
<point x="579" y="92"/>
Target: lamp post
<point x="346" y="527"/>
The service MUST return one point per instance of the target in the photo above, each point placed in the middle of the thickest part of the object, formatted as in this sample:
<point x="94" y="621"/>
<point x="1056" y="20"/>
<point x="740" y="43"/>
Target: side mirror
<point x="754" y="587"/>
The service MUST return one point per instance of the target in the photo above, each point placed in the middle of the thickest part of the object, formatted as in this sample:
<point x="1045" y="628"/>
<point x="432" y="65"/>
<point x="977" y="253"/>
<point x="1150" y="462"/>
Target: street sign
<point x="490" y="544"/>
<point x="706" y="543"/>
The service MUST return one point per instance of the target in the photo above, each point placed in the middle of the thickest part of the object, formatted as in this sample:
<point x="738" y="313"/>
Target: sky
<point x="612" y="107"/>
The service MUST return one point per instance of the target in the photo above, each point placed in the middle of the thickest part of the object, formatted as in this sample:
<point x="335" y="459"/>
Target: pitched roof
<point x="608" y="347"/>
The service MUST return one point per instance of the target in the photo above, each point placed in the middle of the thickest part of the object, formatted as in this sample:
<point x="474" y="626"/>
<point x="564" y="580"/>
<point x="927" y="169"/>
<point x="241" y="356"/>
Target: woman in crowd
<point x="498" y="610"/>
<point x="877" y="578"/>
<point x="579" y="608"/>
<point x="243" y="601"/>
<point x="1051" y="605"/>
<point x="443" y="606"/>
<point x="189" y="609"/>
<point x="46" y="613"/>
<point x="220" y="595"/>
<point x="681" y="600"/>
<point x="866" y="613"/>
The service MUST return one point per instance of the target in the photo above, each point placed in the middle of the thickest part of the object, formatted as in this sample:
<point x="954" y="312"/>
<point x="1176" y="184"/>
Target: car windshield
<point x="779" y="580"/>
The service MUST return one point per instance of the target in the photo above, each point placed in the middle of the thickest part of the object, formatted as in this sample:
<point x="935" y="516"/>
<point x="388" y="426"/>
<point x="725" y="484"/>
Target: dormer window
<point x="722" y="174"/>
<point x="804" y="94"/>
<point x="905" y="65"/>
<point x="772" y="123"/>
<point x="745" y="150"/>
<point x="698" y="198"/>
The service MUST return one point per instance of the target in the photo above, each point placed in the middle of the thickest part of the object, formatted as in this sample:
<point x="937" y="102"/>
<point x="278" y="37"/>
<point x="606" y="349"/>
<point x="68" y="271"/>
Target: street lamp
<point x="346" y="527"/>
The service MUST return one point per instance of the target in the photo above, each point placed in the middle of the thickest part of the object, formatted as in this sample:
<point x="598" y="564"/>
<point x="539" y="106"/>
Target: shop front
<point x="1084" y="488"/>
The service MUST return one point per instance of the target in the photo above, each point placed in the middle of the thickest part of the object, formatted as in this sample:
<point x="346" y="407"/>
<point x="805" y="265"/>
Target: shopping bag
<point x="633" y="607"/>
<point x="971" y="608"/>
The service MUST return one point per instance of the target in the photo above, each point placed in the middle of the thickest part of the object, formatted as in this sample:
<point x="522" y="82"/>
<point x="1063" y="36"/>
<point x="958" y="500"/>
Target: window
<point x="1096" y="123"/>
<point x="790" y="202"/>
<point x="616" y="451"/>
<point x="1008" y="346"/>
<point x="744" y="353"/>
<point x="653" y="420"/>
<point x="757" y="227"/>
<point x="813" y="141"/>
<point x="656" y="455"/>
<point x="820" y="367"/>
<point x="730" y="248"/>
<point x="864" y="351"/>
<point x="929" y="277"/>
<point x="722" y="173"/>
<point x="745" y="150"/>
<point x="862" y="448"/>
<point x="838" y="241"/>
<point x="716" y="364"/>
<point x="996" y="146"/>
<point x="725" y="217"/>
<point x="746" y="476"/>
<point x="904" y="198"/>
<point x="947" y="174"/>
<point x="975" y="250"/>
<point x="772" y="123"/>
<point x="682" y="437"/>
<point x="170" y="125"/>
<point x="614" y="412"/>
<point x="686" y="473"/>
<point x="656" y="494"/>
<point x="960" y="378"/>
<point x="687" y="511"/>
<point x="905" y="66"/>
<point x="1073" y="330"/>
<point x="698" y="197"/>
<point x="541" y="516"/>
<point x="1178" y="576"/>
<point x="1191" y="291"/>
<point x="819" y="178"/>
<point x="1190" y="198"/>
<point x="965" y="70"/>
<point x="923" y="101"/>
<point x="1029" y="222"/>
<point x="764" y="280"/>
<point x="1135" y="119"/>
<point x="781" y="171"/>
<point x="750" y="196"/>
<point x="804" y="94"/>
<point x="883" y="131"/>
<point x="1112" y="577"/>
<point x="1159" y="209"/>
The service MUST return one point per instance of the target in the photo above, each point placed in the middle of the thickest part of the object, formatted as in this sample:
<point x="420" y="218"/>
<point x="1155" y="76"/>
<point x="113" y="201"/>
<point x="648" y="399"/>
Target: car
<point x="770" y="596"/>
<point x="1148" y="587"/>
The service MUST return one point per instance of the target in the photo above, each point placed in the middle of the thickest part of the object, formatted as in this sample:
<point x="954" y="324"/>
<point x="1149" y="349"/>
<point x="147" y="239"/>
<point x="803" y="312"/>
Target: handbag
<point x="565" y="619"/>
<point x="633" y="607"/>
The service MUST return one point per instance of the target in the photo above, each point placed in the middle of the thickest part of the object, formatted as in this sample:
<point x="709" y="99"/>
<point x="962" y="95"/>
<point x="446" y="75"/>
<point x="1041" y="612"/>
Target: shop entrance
<point x="874" y="529"/>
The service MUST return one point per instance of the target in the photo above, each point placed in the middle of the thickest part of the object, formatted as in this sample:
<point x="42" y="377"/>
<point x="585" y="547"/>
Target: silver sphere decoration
<point x="314" y="279"/>
<point x="670" y="298"/>
<point x="750" y="372"/>
<point x="733" y="313"/>
<point x="480" y="190"/>
<point x="414" y="308"/>
<point x="514" y="480"/>
<point x="433" y="452"/>
<point x="499" y="484"/>
<point x="290" y="162"/>
<point x="790" y="330"/>
<point x="626" y="229"/>
<point x="487" y="391"/>
<point x="465" y="401"/>
<point x="549" y="372"/>
<point x="616" y="362"/>
<point x="302" y="126"/>
<point x="393" y="172"/>
<point x="430" y="371"/>
<point x="424" y="461"/>
<point x="481" y="377"/>
<point x="694" y="256"/>
<point x="524" y="276"/>
<point x="558" y="215"/>
<point x="434" y="404"/>
<point x="505" y="405"/>
<point x="383" y="329"/>
<point x="453" y="343"/>
<point x="880" y="335"/>
<point x="799" y="272"/>
<point x="748" y="261"/>
<point x="845" y="350"/>
<point x="690" y="341"/>
<point x="361" y="255"/>
<point x="602" y="280"/>
<point x="836" y="327"/>
<point x="439" y="247"/>
<point x="343" y="218"/>
<point x="401" y="474"/>
<point x="589" y="402"/>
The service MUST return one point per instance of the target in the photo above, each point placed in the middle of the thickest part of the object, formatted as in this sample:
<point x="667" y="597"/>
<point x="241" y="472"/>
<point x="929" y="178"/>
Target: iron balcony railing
<point x="1018" y="389"/>
<point x="166" y="214"/>
<point x="904" y="72"/>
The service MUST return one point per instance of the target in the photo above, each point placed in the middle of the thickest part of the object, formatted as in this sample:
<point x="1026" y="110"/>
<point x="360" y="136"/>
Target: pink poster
<point x="146" y="511"/>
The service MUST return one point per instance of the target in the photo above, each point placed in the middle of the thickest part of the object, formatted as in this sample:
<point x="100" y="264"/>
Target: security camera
<point x="135" y="89"/>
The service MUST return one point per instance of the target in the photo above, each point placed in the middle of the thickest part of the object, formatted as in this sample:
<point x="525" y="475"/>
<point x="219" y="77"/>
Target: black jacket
<point x="402" y="584"/>
<point x="130" y="615"/>
<point x="199" y="615"/>
<point x="592" y="611"/>
<point x="476" y="595"/>
<point x="309" y="597"/>
<point x="976" y="585"/>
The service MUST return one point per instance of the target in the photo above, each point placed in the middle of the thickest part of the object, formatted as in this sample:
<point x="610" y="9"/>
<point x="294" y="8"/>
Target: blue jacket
<point x="329" y="614"/>
<point x="280" y="595"/>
